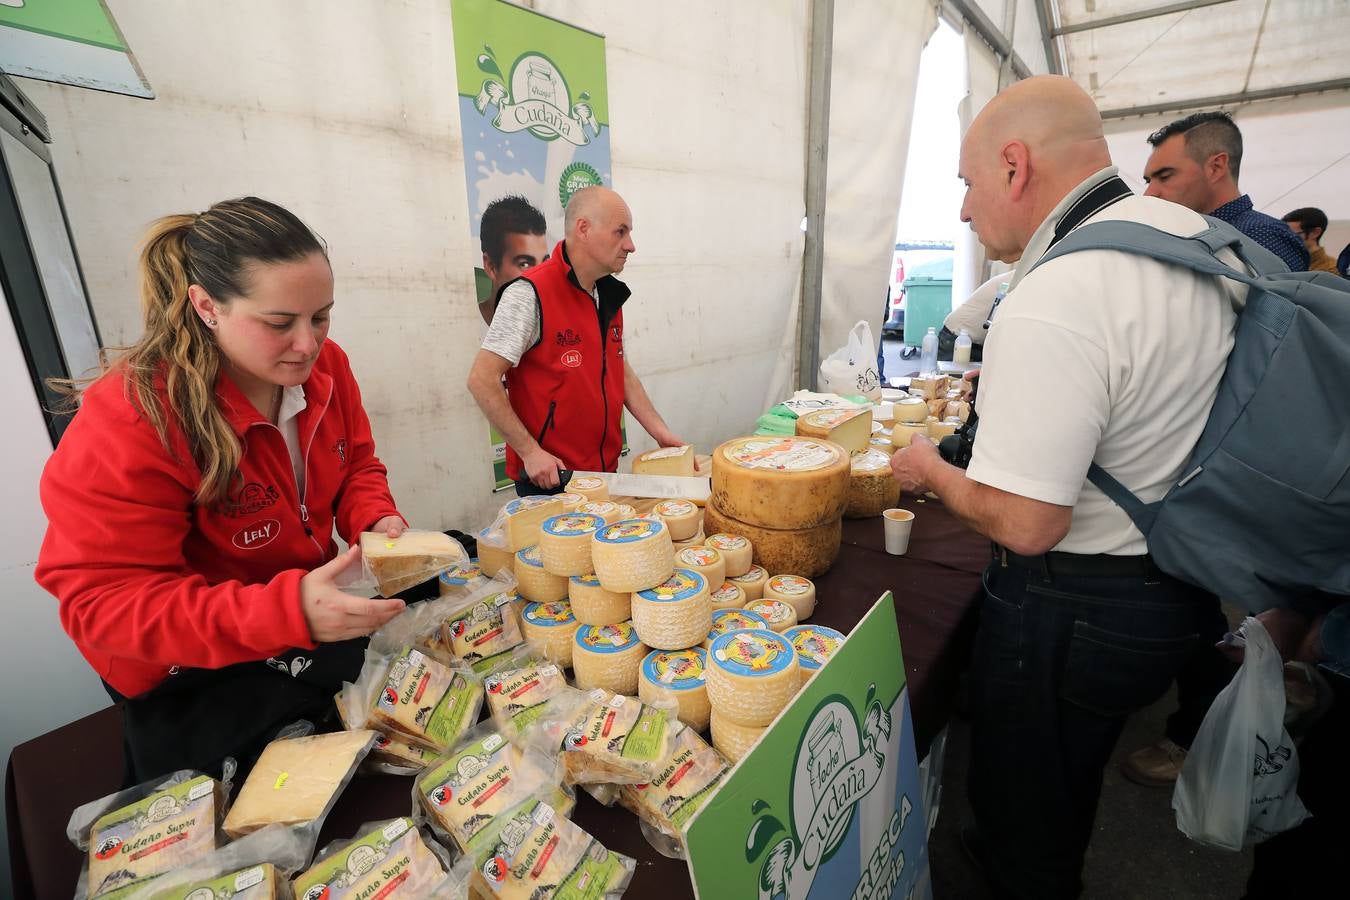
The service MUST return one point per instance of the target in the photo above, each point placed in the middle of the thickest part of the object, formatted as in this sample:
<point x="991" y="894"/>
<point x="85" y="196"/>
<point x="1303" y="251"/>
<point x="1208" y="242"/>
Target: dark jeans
<point x="1206" y="673"/>
<point x="1060" y="662"/>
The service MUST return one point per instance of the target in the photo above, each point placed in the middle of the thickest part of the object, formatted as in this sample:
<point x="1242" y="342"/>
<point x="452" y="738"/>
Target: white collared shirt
<point x="292" y="404"/>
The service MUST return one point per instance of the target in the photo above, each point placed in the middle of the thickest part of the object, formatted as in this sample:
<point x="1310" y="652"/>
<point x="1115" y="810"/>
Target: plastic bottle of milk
<point x="928" y="356"/>
<point x="961" y="350"/>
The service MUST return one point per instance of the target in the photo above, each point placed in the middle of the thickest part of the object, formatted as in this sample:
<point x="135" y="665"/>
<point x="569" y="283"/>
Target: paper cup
<point x="898" y="523"/>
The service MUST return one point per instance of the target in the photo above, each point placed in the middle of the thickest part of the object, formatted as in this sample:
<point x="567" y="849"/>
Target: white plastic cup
<point x="898" y="524"/>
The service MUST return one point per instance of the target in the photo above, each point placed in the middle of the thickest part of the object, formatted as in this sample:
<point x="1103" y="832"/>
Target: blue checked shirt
<point x="1267" y="231"/>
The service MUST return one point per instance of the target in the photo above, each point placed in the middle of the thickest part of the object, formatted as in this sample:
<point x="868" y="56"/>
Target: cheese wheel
<point x="795" y="591"/>
<point x="677" y="675"/>
<point x="493" y="557"/>
<point x="752" y="674"/>
<point x="731" y="740"/>
<point x="728" y="596"/>
<point x="910" y="409"/>
<point x="752" y="582"/>
<point x="551" y="629"/>
<point x="939" y="430"/>
<point x="724" y="620"/>
<point x="590" y="487"/>
<point x="735" y="549"/>
<point x="533" y="582"/>
<point x="565" y="542"/>
<point x="814" y="644"/>
<point x="458" y="577"/>
<point x="675" y="614"/>
<point x="606" y="509"/>
<point x="666" y="461"/>
<point x="570" y="501"/>
<point x="680" y="516"/>
<point x="593" y="605"/>
<point x="871" y="486"/>
<point x="805" y="551"/>
<point x="779" y="614"/>
<point x="523" y="517"/>
<point x="695" y="541"/>
<point x="607" y="657"/>
<point x="779" y="482"/>
<point x="849" y="428"/>
<point x="903" y="432"/>
<point x="633" y="555"/>
<point x="705" y="561"/>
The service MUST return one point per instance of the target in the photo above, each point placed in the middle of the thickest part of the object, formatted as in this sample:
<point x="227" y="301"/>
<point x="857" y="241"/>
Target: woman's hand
<point x="390" y="525"/>
<point x="333" y="615"/>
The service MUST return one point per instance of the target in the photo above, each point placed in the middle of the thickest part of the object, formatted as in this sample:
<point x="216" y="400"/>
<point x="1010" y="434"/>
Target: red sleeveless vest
<point x="567" y="389"/>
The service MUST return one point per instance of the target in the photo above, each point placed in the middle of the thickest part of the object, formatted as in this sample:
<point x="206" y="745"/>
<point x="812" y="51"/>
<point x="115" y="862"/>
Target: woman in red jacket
<point x="191" y="502"/>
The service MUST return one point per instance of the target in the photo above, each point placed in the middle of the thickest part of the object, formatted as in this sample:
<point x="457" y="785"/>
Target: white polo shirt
<point x="1101" y="356"/>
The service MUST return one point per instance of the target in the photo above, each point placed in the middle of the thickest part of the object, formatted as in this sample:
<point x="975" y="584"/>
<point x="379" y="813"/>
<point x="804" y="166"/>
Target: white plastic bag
<point x="852" y="369"/>
<point x="1238" y="784"/>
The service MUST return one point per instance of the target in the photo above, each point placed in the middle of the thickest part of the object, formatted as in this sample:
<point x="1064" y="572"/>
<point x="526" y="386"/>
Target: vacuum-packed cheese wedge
<point x="910" y="409"/>
<point x="590" y="487"/>
<point x="751" y="676"/>
<point x="735" y="549"/>
<point x="687" y="779"/>
<point x="871" y="486"/>
<point x="550" y="629"/>
<point x="534" y="583"/>
<point x="485" y="633"/>
<point x="516" y="697"/>
<point x="677" y="675"/>
<point x="540" y="855"/>
<point x="168" y="829"/>
<point x="814" y="644"/>
<point x="728" y="596"/>
<point x="681" y="517"/>
<point x="608" y="657"/>
<point x="428" y="703"/>
<point x="257" y="882"/>
<point x="725" y="620"/>
<point x="779" y="482"/>
<point x="390" y="748"/>
<point x="675" y="614"/>
<point x="389" y="861"/>
<point x="808" y="552"/>
<point x="592" y="604"/>
<point x="615" y="739"/>
<point x="295" y="781"/>
<point x="849" y="428"/>
<point x="409" y="559"/>
<point x="633" y="555"/>
<point x="794" y="590"/>
<point x="666" y="461"/>
<point x="733" y="740"/>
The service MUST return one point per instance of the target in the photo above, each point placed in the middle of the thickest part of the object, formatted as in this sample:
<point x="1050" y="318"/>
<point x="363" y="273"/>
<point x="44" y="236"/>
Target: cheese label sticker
<point x="674" y="508"/>
<point x="462" y="573"/>
<point x="698" y="556"/>
<point x="530" y="556"/>
<point x="156" y="834"/>
<point x="753" y="653"/>
<point x="523" y="503"/>
<point x="598" y="508"/>
<point x="725" y="620"/>
<point x="727" y="593"/>
<point x="623" y="727"/>
<point x="679" y="670"/>
<point x="870" y="460"/>
<point x="683" y="585"/>
<point x="686" y="780"/>
<point x="587" y="483"/>
<point x="607" y="638"/>
<point x="773" y="611"/>
<point x="372" y="866"/>
<point x="586" y="580"/>
<point x="789" y="584"/>
<point x="727" y="542"/>
<point x="754" y="575"/>
<point x="468" y="788"/>
<point x="814" y="644"/>
<point x="484" y="632"/>
<point x="783" y="454"/>
<point x="827" y="418"/>
<point x="573" y="524"/>
<point x="629" y="530"/>
<point x="666" y="452"/>
<point x="557" y="612"/>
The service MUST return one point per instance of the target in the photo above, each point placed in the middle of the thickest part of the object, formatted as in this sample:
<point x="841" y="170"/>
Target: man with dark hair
<point x="1195" y="162"/>
<point x="1309" y="223"/>
<point x="512" y="237"/>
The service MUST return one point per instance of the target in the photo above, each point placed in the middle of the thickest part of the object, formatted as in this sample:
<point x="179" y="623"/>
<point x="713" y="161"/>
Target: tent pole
<point x="817" y="150"/>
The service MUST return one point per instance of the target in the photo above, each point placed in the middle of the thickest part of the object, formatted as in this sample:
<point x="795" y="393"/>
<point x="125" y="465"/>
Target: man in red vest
<point x="557" y="338"/>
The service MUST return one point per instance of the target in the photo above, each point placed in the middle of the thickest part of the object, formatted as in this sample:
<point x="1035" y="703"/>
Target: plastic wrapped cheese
<point x="677" y="675"/>
<point x="387" y="859"/>
<point x="485" y="632"/>
<point x="522" y="517"/>
<point x="540" y="855"/>
<point x="728" y="596"/>
<point x="735" y="549"/>
<point x="633" y="555"/>
<point x="296" y="780"/>
<point x="592" y="604"/>
<point x="614" y="739"/>
<point x="409" y="559"/>
<point x="550" y="628"/>
<point x="608" y="657"/>
<point x="427" y="702"/>
<point x="675" y="614"/>
<point x="458" y="578"/>
<point x="687" y="779"/>
<point x="518" y="694"/>
<point x="779" y="615"/>
<point x="733" y="619"/>
<point x="534" y="583"/>
<point x="565" y="543"/>
<point x="751" y="676"/>
<point x="493" y="556"/>
<point x="797" y="592"/>
<point x="814" y="644"/>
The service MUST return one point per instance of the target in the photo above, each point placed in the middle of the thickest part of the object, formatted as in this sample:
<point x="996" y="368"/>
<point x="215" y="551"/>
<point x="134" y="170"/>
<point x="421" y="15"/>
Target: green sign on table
<point x="829" y="803"/>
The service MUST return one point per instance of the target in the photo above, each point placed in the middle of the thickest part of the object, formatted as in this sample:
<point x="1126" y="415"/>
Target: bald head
<point x="592" y="203"/>
<point x="599" y="227"/>
<point x="1028" y="148"/>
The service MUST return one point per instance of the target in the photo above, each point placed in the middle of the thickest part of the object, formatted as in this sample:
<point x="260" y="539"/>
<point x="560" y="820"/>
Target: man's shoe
<point x="1157" y="765"/>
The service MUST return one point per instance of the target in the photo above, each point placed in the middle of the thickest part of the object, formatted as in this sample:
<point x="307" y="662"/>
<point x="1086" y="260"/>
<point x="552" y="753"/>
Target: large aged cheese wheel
<point x="778" y="482"/>
<point x="871" y="486"/>
<point x="807" y="552"/>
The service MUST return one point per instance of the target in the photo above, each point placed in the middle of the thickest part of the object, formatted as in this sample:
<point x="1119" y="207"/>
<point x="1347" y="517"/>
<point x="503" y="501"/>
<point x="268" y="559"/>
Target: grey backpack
<point x="1261" y="513"/>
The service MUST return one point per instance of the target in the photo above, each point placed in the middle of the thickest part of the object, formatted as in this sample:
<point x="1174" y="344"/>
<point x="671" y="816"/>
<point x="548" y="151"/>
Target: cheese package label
<point x="686" y="780"/>
<point x="468" y="788"/>
<point x="540" y="855"/>
<point x="260" y="882"/>
<point x="753" y="653"/>
<point x="425" y="700"/>
<point x="390" y="861"/>
<point x="519" y="695"/>
<point x="620" y="731"/>
<point x="733" y="619"/>
<point x="485" y="632"/>
<point x="616" y="638"/>
<point x="679" y="670"/>
<point x="462" y="574"/>
<point x="814" y="644"/>
<point x="161" y="832"/>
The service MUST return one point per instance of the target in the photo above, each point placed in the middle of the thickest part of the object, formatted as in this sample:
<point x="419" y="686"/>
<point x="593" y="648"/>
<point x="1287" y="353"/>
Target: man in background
<point x="1309" y="224"/>
<point x="1195" y="162"/>
<point x="512" y="237"/>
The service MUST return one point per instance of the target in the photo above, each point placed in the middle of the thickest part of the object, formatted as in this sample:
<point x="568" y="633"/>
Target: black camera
<point x="958" y="447"/>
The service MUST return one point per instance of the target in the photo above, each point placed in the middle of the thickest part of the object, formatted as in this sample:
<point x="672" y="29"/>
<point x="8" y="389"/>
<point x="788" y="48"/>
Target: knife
<point x="621" y="484"/>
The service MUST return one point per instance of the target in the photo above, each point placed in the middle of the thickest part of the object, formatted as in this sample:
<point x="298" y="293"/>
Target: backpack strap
<point x="1141" y="514"/>
<point x="1195" y="252"/>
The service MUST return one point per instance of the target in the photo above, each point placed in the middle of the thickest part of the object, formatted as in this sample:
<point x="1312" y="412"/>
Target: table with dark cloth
<point x="936" y="586"/>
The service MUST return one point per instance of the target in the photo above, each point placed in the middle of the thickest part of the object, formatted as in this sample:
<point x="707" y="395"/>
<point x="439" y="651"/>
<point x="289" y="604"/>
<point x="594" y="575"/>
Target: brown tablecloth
<point x="935" y="585"/>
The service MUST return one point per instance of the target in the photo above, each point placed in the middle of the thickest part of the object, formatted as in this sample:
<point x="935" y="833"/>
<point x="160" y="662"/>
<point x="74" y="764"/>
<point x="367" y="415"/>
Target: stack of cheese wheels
<point x="590" y="487"/>
<point x="939" y="430"/>
<point x="910" y="409"/>
<point x="752" y="674"/>
<point x="606" y="509"/>
<point x="533" y="582"/>
<point x="732" y="740"/>
<point x="735" y="550"/>
<point x="677" y="675"/>
<point x="752" y="583"/>
<point x="633" y="555"/>
<point x="675" y="614"/>
<point x="871" y="486"/>
<point x="904" y="432"/>
<point x="779" y="615"/>
<point x="593" y="605"/>
<point x="695" y="541"/>
<point x="522" y="517"/>
<point x="666" y="461"/>
<point x="849" y="428"/>
<point x="608" y="657"/>
<point x="570" y="501"/>
<point x="565" y="542"/>
<point x="551" y="629"/>
<point x="794" y="590"/>
<point x="728" y="596"/>
<point x="705" y="561"/>
<point x="724" y="620"/>
<point x="680" y="516"/>
<point x="492" y="553"/>
<point x="814" y="644"/>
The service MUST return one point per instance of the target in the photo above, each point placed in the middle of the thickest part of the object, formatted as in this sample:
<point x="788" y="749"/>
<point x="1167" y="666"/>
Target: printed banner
<point x="69" y="42"/>
<point x="534" y="112"/>
<point x="845" y="818"/>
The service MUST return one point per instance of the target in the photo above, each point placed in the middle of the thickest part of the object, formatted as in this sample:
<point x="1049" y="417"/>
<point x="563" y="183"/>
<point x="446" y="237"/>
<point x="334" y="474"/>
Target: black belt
<point x="1079" y="565"/>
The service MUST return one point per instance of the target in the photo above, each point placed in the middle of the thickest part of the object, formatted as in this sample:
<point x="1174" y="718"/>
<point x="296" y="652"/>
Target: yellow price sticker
<point x="281" y="780"/>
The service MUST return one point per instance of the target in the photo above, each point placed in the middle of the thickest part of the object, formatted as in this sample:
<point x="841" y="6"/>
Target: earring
<point x="210" y="323"/>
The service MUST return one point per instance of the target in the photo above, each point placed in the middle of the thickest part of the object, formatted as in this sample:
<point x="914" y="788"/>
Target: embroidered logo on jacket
<point x="572" y="359"/>
<point x="252" y="498"/>
<point x="568" y="338"/>
<point x="256" y="534"/>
